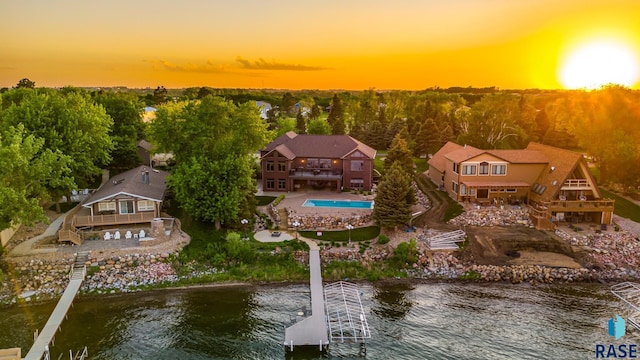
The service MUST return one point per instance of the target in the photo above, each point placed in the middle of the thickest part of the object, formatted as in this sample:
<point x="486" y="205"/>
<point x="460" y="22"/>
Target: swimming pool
<point x="340" y="204"/>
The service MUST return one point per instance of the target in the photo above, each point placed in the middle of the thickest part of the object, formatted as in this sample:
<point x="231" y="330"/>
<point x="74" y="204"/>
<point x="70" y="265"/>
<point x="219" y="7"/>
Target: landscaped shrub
<point x="277" y="200"/>
<point x="383" y="239"/>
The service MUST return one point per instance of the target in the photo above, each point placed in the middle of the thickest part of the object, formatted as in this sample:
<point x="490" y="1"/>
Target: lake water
<point x="420" y="321"/>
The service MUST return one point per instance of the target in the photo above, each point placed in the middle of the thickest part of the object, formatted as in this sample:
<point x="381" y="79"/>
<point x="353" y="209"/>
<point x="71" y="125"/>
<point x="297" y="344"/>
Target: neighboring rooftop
<point x="293" y="145"/>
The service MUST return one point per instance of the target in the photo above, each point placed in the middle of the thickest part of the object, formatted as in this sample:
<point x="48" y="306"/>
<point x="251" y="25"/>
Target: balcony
<point x="576" y="184"/>
<point x="579" y="205"/>
<point x="113" y="219"/>
<point x="315" y="174"/>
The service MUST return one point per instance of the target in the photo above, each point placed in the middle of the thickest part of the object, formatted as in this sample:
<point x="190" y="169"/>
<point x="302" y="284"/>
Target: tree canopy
<point x="212" y="140"/>
<point x="71" y="124"/>
<point x="28" y="172"/>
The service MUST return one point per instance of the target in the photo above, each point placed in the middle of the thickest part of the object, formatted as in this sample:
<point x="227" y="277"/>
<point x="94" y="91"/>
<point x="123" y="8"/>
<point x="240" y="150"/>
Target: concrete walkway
<point x="26" y="247"/>
<point x="265" y="236"/>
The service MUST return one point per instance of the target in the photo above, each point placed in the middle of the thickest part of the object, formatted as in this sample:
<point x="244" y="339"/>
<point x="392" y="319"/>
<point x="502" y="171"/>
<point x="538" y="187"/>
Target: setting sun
<point x="595" y="64"/>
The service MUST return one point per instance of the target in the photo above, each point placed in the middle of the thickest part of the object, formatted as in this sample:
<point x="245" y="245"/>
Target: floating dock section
<point x="446" y="241"/>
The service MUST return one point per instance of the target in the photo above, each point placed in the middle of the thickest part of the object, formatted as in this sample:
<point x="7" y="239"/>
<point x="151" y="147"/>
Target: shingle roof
<point x="130" y="183"/>
<point x="280" y="140"/>
<point x="563" y="163"/>
<point x="526" y="156"/>
<point x="318" y="146"/>
<point x="437" y="161"/>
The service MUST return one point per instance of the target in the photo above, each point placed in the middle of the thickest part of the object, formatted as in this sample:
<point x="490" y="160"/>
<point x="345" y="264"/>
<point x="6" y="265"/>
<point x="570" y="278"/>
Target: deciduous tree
<point x="28" y="172"/>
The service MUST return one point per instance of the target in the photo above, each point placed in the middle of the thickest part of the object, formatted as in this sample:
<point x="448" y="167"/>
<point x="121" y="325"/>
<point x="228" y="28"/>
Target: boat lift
<point x="336" y="315"/>
<point x="629" y="293"/>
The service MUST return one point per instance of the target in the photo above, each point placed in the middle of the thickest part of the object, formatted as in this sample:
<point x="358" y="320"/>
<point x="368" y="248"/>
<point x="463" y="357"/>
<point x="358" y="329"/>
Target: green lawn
<point x="357" y="234"/>
<point x="623" y="207"/>
<point x="421" y="165"/>
<point x="264" y="200"/>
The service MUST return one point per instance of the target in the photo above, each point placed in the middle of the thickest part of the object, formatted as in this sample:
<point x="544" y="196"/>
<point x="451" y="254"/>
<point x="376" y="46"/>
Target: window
<point x="312" y="163"/>
<point x="126" y="207"/>
<point x="454" y="187"/>
<point x="357" y="183"/>
<point x="282" y="166"/>
<point x="468" y="169"/>
<point x="498" y="169"/>
<point x="483" y="169"/>
<point x="357" y="165"/>
<point x="107" y="206"/>
<point x="455" y="168"/>
<point x="282" y="184"/>
<point x="271" y="184"/>
<point x="145" y="205"/>
<point x="270" y="166"/>
<point x="463" y="189"/>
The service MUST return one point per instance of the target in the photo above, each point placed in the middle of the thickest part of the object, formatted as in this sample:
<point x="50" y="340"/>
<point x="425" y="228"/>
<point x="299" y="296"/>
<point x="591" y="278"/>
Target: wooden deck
<point x="114" y="219"/>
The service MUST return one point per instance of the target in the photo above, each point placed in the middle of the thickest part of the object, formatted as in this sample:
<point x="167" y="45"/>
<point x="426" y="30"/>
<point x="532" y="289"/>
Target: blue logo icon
<point x="616" y="327"/>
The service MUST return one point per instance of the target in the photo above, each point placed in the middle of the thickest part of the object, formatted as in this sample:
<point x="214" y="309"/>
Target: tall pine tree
<point x="392" y="207"/>
<point x="336" y="116"/>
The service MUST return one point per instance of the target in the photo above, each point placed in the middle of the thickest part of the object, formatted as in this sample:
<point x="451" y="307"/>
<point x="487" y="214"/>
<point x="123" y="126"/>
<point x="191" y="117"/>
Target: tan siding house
<point x="555" y="182"/>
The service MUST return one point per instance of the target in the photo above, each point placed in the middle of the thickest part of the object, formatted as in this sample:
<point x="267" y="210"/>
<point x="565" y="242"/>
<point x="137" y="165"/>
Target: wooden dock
<point x="41" y="345"/>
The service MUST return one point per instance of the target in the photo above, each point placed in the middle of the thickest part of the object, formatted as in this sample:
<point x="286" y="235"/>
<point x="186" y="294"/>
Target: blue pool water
<point x="341" y="204"/>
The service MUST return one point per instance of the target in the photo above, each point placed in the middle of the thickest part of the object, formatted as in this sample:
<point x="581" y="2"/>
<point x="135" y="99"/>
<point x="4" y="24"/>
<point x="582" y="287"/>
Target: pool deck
<point x="294" y="200"/>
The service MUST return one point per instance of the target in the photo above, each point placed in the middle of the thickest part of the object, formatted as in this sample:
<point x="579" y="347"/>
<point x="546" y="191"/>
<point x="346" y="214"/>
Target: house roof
<point x="292" y="145"/>
<point x="437" y="161"/>
<point x="145" y="145"/>
<point x="280" y="140"/>
<point x="561" y="164"/>
<point x="526" y="156"/>
<point x="130" y="183"/>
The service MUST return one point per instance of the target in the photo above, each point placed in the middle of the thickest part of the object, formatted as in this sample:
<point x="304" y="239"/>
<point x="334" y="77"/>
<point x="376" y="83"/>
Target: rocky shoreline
<point x="611" y="257"/>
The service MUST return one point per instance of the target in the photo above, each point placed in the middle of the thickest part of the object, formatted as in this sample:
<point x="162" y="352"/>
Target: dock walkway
<point x="41" y="345"/>
<point x="313" y="329"/>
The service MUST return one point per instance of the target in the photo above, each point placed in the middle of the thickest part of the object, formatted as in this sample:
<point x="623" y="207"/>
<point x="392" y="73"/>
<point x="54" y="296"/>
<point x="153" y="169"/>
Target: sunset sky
<point x="305" y="44"/>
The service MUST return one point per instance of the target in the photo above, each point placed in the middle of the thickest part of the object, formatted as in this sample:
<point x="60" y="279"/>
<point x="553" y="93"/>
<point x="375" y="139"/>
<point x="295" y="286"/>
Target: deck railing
<point x="602" y="204"/>
<point x="576" y="184"/>
<point x="113" y="219"/>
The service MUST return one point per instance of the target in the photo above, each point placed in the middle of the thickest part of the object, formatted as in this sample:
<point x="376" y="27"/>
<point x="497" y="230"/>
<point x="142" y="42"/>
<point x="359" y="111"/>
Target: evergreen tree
<point x="315" y="111"/>
<point x="336" y="116"/>
<point x="399" y="154"/>
<point x="288" y="104"/>
<point x="391" y="206"/>
<point x="301" y="124"/>
<point x="428" y="138"/>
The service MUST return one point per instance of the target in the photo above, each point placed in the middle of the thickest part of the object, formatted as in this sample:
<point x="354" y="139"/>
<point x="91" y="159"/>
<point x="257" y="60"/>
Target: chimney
<point x="143" y="175"/>
<point x="146" y="173"/>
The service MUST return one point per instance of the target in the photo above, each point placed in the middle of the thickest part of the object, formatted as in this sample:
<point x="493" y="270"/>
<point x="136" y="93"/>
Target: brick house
<point x="555" y="183"/>
<point x="293" y="161"/>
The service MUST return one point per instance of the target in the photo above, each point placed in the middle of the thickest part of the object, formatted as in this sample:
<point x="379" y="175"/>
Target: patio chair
<point x="117" y="235"/>
<point x="142" y="234"/>
<point x="107" y="236"/>
<point x="127" y="235"/>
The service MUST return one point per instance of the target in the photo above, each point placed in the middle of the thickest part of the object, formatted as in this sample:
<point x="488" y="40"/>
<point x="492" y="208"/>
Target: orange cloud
<point x="208" y="68"/>
<point x="262" y="64"/>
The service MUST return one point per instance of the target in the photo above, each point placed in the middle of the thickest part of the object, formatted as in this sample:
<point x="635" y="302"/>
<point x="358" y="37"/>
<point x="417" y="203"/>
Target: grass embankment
<point x="264" y="200"/>
<point x="214" y="256"/>
<point x="623" y="207"/>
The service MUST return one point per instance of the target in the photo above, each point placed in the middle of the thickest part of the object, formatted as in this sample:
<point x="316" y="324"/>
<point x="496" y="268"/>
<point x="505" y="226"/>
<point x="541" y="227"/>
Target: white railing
<point x="573" y="184"/>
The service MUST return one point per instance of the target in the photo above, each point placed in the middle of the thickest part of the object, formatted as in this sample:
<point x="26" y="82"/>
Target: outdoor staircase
<point x="81" y="259"/>
<point x="68" y="231"/>
<point x="284" y="219"/>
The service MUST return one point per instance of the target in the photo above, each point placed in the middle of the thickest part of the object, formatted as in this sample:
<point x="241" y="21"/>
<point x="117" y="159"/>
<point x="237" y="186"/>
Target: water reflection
<point x="438" y="321"/>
